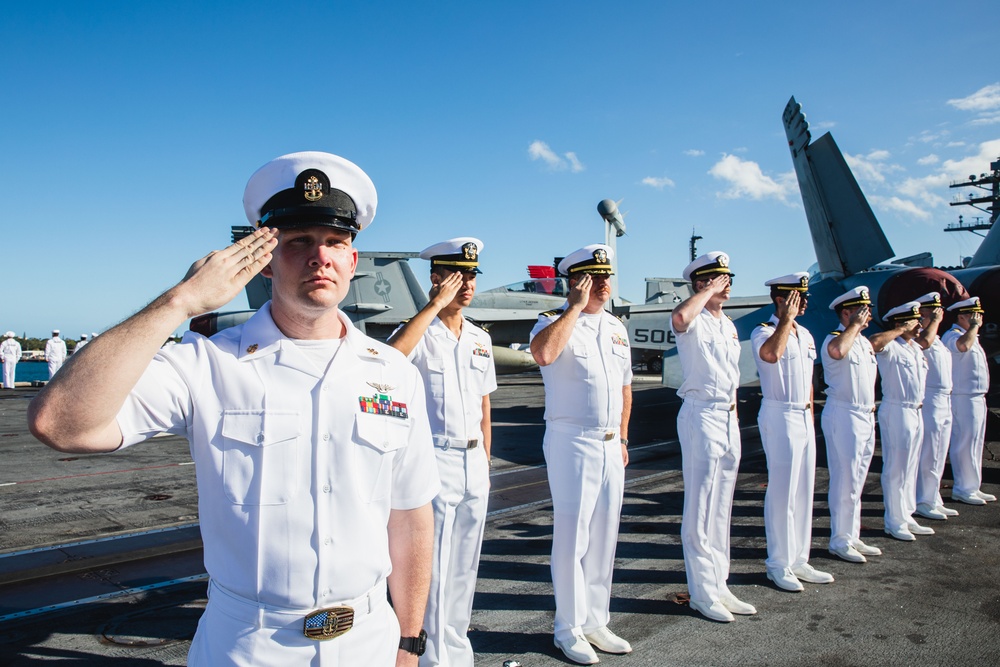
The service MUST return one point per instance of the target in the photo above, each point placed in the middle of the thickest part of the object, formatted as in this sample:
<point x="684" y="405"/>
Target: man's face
<point x="925" y="316"/>
<point x="600" y="288"/>
<point x="468" y="290"/>
<point x="311" y="267"/>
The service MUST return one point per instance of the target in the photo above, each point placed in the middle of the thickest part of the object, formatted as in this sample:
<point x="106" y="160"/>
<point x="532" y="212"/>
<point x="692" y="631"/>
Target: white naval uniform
<point x="55" y="354"/>
<point x="709" y="433"/>
<point x="849" y="430"/>
<point x="903" y="369"/>
<point x="970" y="381"/>
<point x="298" y="468"/>
<point x="583" y="456"/>
<point x="937" y="424"/>
<point x="788" y="435"/>
<point x="457" y="373"/>
<point x="10" y="352"/>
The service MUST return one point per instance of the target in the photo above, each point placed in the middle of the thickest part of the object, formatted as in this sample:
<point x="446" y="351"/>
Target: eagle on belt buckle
<point x="328" y="623"/>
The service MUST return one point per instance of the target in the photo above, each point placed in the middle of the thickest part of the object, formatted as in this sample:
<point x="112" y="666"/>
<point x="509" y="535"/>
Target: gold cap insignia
<point x="470" y="251"/>
<point x="601" y="255"/>
<point x="804" y="281"/>
<point x="864" y="294"/>
<point x="723" y="261"/>
<point x="313" y="189"/>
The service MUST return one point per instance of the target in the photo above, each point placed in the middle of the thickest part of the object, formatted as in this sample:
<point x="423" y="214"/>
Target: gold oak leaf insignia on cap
<point x="313" y="189"/>
<point x="251" y="348"/>
<point x="864" y="294"/>
<point x="804" y="281"/>
<point x="470" y="251"/>
<point x="722" y="260"/>
<point x="601" y="255"/>
<point x="384" y="388"/>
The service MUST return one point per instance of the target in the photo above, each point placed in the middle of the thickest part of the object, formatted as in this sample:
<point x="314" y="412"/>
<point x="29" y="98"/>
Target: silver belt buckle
<point x="329" y="623"/>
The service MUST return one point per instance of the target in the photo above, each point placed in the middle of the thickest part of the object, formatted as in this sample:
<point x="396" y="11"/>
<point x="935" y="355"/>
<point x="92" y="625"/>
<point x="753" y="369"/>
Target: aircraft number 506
<point x="654" y="336"/>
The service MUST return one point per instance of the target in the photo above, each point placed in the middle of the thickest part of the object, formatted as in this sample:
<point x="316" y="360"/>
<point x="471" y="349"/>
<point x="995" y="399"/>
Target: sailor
<point x="455" y="359"/>
<point x="314" y="457"/>
<point x="10" y="354"/>
<point x="709" y="433"/>
<point x="55" y="352"/>
<point x="848" y="420"/>
<point x="586" y="366"/>
<point x="903" y="370"/>
<point x="936" y="411"/>
<point x="80" y="343"/>
<point x="970" y="382"/>
<point x="785" y="353"/>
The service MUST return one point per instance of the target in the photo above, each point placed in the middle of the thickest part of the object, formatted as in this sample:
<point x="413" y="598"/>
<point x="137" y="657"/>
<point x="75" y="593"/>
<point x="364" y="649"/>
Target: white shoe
<point x="900" y="534"/>
<point x="866" y="550"/>
<point x="929" y="512"/>
<point x="971" y="499"/>
<point x="737" y="606"/>
<point x="784" y="579"/>
<point x="848" y="553"/>
<point x="809" y="574"/>
<point x="988" y="497"/>
<point x="607" y="641"/>
<point x="578" y="649"/>
<point x="917" y="529"/>
<point x="714" y="611"/>
<point x="947" y="511"/>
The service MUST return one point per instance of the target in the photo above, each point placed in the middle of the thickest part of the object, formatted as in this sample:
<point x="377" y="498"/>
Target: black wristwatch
<point x="415" y="645"/>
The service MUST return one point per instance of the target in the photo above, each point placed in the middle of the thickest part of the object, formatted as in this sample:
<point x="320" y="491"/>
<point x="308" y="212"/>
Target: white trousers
<point x="459" y="521"/>
<point x="710" y="451"/>
<point x="968" y="435"/>
<point x="902" y="431"/>
<point x="850" y="443"/>
<point x="934" y="448"/>
<point x="789" y="439"/>
<point x="232" y="633"/>
<point x="54" y="365"/>
<point x="587" y="482"/>
<point x="8" y="373"/>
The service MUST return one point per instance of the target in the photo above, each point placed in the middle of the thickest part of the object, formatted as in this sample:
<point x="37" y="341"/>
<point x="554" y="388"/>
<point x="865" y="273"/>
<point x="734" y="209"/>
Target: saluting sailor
<point x="971" y="381"/>
<point x="903" y="369"/>
<point x="848" y="420"/>
<point x="709" y="433"/>
<point x="586" y="365"/>
<point x="314" y="459"/>
<point x="936" y="411"/>
<point x="785" y="354"/>
<point x="455" y="359"/>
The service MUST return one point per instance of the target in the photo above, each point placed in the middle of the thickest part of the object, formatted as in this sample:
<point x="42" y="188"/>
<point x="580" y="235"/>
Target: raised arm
<point x="840" y="346"/>
<point x="548" y="343"/>
<point x="883" y="338"/>
<point x="786" y="310"/>
<point x="76" y="410"/>
<point x="967" y="340"/>
<point x="406" y="337"/>
<point x="684" y="314"/>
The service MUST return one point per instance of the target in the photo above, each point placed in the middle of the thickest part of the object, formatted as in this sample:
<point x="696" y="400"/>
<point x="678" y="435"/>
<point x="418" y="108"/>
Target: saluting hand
<point x="975" y="320"/>
<point x="444" y="292"/>
<point x="788" y="309"/>
<point x="862" y="316"/>
<point x="216" y="278"/>
<point x="580" y="294"/>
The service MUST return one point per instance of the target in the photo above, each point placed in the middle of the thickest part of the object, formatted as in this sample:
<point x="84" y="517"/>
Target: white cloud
<point x="694" y="152"/>
<point x="954" y="144"/>
<point x="900" y="206"/>
<point x="746" y="180"/>
<point x="986" y="98"/>
<point x="539" y="150"/>
<point x="658" y="182"/>
<point x="822" y="125"/>
<point x="872" y="167"/>
<point x="928" y="160"/>
<point x="991" y="118"/>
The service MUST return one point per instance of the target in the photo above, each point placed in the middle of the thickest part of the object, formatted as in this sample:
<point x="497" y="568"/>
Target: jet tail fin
<point x="846" y="235"/>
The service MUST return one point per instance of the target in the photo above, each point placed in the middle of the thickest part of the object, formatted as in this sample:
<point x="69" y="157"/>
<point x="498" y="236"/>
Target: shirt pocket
<point x="261" y="457"/>
<point x="435" y="377"/>
<point x="377" y="440"/>
<point x="480" y="364"/>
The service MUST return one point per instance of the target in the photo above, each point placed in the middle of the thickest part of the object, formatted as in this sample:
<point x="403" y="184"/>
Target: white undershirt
<point x="321" y="352"/>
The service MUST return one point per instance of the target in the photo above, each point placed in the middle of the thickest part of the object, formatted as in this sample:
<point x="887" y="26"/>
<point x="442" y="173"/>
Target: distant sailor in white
<point x="785" y="353"/>
<point x="936" y="411"/>
<point x="586" y="365"/>
<point x="10" y="354"/>
<point x="903" y="369"/>
<point x="849" y="368"/>
<point x="709" y="433"/>
<point x="455" y="359"/>
<point x="970" y="382"/>
<point x="55" y="352"/>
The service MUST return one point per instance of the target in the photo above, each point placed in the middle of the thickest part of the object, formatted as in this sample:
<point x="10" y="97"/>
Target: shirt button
<point x="326" y="488"/>
<point x="327" y="541"/>
<point x="326" y="436"/>
<point x="260" y="437"/>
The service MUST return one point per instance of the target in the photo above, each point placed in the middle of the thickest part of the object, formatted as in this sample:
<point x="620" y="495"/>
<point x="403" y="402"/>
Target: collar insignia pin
<point x="251" y="348"/>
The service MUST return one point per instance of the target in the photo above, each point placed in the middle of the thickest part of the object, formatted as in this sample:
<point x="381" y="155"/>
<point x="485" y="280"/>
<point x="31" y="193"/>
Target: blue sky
<point x="131" y="128"/>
